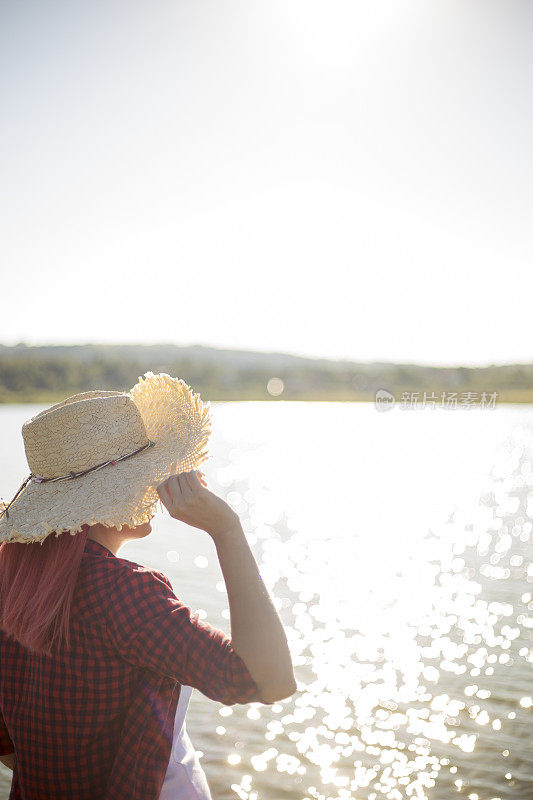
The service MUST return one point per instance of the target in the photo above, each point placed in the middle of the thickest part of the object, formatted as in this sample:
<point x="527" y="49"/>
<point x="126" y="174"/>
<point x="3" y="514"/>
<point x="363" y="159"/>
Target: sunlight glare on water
<point x="386" y="565"/>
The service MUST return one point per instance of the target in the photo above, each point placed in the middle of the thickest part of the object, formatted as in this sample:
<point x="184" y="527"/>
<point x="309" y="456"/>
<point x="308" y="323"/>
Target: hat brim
<point x="125" y="493"/>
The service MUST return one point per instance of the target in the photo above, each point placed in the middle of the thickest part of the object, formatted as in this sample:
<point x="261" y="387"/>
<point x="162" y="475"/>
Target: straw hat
<point x="99" y="457"/>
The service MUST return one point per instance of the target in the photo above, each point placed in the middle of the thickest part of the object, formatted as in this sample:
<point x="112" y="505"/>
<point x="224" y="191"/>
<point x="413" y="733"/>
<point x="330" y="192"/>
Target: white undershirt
<point x="184" y="778"/>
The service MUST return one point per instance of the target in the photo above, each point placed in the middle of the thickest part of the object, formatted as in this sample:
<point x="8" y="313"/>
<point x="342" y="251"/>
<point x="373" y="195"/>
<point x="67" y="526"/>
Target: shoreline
<point x="522" y="397"/>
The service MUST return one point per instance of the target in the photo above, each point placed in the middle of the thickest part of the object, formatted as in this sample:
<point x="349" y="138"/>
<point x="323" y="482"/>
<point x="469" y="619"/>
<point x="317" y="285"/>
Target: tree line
<point x="30" y="374"/>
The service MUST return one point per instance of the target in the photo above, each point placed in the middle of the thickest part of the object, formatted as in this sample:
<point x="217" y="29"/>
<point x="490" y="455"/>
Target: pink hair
<point x="37" y="582"/>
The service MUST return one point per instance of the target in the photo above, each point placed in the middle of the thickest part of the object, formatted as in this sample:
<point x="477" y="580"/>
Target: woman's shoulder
<point x="126" y="566"/>
<point x="120" y="585"/>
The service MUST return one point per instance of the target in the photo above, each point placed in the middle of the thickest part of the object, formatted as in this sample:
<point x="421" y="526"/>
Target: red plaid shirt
<point x="97" y="722"/>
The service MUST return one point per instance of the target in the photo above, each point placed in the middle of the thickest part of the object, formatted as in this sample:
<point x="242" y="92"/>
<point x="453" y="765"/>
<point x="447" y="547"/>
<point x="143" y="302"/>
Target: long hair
<point x="37" y="582"/>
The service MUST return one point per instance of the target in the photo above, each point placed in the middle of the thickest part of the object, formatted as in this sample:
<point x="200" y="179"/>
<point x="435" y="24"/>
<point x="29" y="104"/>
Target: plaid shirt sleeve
<point x="151" y="627"/>
<point x="6" y="745"/>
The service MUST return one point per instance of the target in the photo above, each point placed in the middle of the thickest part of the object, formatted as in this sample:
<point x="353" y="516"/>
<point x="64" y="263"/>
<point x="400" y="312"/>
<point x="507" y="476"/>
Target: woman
<point x="95" y="650"/>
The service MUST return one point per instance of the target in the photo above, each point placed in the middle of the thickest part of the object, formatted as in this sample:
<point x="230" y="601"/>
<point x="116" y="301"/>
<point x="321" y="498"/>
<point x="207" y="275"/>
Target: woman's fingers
<point x="176" y="497"/>
<point x="164" y="494"/>
<point x="193" y="481"/>
<point x="186" y="490"/>
<point x="178" y="490"/>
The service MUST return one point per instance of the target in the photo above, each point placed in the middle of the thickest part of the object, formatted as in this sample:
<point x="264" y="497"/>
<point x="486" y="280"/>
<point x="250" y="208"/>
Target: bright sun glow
<point x="344" y="179"/>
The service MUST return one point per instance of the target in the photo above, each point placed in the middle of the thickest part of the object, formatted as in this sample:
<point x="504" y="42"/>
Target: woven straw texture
<point x="92" y="427"/>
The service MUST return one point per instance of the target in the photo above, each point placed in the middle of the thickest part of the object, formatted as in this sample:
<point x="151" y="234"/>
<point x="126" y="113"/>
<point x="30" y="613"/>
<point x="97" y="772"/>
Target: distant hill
<point x="51" y="372"/>
<point x="164" y="353"/>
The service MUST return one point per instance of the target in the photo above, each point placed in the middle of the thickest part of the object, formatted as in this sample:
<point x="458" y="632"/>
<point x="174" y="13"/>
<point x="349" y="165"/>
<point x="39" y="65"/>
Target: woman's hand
<point x="187" y="498"/>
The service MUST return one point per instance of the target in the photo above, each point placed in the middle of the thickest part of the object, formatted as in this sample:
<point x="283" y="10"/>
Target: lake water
<point x="397" y="548"/>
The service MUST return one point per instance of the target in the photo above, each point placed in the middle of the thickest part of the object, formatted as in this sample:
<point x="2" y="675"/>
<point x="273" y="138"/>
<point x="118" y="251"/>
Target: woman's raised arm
<point x="257" y="632"/>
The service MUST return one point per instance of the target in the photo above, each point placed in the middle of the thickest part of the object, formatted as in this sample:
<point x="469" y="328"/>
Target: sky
<point x="341" y="179"/>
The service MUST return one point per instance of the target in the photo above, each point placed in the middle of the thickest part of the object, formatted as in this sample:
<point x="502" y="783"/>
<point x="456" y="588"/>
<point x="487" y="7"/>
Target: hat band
<point x="71" y="475"/>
